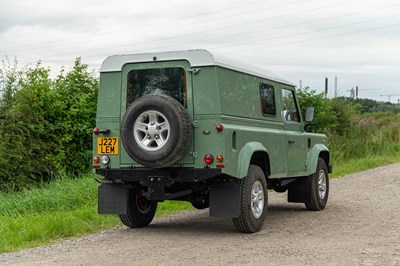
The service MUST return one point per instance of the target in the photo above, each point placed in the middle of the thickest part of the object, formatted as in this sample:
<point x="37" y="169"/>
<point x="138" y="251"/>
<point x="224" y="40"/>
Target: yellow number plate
<point x="107" y="145"/>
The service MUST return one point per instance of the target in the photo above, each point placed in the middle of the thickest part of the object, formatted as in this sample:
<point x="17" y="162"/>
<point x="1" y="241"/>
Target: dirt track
<point x="360" y="226"/>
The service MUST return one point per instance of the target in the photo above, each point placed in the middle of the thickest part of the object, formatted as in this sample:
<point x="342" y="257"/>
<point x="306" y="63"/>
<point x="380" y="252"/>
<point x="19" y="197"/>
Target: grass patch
<point x="44" y="228"/>
<point x="64" y="208"/>
<point x="361" y="164"/>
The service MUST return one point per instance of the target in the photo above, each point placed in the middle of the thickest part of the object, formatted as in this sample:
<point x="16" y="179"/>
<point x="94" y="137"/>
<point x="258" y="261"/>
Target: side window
<point x="290" y="111"/>
<point x="267" y="95"/>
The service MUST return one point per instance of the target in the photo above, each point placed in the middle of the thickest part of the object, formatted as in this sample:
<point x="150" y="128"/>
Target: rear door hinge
<point x="193" y="70"/>
<point x="193" y="154"/>
<point x="195" y="124"/>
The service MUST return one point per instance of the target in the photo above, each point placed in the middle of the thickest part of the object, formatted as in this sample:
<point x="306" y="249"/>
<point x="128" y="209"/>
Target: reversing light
<point x="219" y="128"/>
<point x="96" y="159"/>
<point x="220" y="158"/>
<point x="208" y="159"/>
<point x="105" y="159"/>
<point x="96" y="131"/>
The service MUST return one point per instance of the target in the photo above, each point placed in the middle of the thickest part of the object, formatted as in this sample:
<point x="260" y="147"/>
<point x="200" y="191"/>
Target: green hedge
<point x="45" y="123"/>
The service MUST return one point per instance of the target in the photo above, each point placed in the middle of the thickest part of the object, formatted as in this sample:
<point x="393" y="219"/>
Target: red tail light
<point x="219" y="128"/>
<point x="96" y="131"/>
<point x="208" y="159"/>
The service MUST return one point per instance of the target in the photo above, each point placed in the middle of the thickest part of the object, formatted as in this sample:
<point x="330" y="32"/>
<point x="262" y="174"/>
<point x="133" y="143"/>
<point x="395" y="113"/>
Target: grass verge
<point x="64" y="208"/>
<point x="361" y="164"/>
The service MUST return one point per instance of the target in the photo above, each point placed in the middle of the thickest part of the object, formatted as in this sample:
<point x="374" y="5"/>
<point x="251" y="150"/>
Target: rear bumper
<point x="145" y="175"/>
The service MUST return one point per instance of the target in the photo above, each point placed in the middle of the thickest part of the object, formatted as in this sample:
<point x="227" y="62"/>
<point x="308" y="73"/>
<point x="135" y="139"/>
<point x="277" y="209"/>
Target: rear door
<point x="169" y="78"/>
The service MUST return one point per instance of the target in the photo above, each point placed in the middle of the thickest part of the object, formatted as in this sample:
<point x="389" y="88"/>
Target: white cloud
<point x="301" y="39"/>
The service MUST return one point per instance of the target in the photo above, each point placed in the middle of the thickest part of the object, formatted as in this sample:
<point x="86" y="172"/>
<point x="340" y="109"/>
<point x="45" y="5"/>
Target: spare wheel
<point x="156" y="130"/>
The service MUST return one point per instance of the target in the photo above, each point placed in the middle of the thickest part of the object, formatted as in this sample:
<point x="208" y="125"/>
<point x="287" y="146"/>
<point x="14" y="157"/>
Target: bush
<point x="45" y="124"/>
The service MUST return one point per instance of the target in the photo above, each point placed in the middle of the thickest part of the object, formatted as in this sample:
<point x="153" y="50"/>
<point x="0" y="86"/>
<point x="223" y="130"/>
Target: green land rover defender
<point x="197" y="127"/>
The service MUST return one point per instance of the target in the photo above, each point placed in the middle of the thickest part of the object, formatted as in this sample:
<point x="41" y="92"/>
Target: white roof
<point x="196" y="58"/>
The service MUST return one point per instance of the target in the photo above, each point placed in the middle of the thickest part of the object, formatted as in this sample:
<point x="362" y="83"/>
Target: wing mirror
<point x="309" y="114"/>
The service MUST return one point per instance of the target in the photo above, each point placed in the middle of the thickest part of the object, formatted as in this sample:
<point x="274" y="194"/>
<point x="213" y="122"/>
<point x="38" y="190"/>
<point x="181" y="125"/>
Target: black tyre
<point x="281" y="189"/>
<point x="253" y="201"/>
<point x="140" y="210"/>
<point x="201" y="203"/>
<point x="156" y="130"/>
<point x="319" y="188"/>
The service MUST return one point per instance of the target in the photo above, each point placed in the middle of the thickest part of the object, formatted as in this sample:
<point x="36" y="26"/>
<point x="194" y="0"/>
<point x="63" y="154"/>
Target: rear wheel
<point x="319" y="188"/>
<point x="253" y="201"/>
<point x="141" y="211"/>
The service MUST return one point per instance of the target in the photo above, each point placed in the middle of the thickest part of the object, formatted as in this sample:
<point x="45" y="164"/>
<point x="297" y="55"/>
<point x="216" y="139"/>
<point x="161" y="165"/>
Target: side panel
<point x="244" y="123"/>
<point x="108" y="112"/>
<point x="109" y="95"/>
<point x="242" y="141"/>
<point x="239" y="95"/>
<point x="206" y="100"/>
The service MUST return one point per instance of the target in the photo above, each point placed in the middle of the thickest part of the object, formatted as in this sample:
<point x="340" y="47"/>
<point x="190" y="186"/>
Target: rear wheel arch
<point x="261" y="159"/>
<point x="325" y="156"/>
<point x="252" y="153"/>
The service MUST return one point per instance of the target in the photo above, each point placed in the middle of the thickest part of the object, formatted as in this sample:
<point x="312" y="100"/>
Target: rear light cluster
<point x="97" y="131"/>
<point x="209" y="159"/>
<point x="104" y="159"/>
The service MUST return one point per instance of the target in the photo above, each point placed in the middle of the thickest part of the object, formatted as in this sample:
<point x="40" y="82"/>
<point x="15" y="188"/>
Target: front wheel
<point x="319" y="188"/>
<point x="253" y="201"/>
<point x="141" y="211"/>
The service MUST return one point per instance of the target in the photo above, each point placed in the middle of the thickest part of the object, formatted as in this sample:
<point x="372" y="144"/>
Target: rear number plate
<point x="107" y="145"/>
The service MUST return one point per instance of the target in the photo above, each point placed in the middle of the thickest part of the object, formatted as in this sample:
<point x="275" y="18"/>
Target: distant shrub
<point x="331" y="116"/>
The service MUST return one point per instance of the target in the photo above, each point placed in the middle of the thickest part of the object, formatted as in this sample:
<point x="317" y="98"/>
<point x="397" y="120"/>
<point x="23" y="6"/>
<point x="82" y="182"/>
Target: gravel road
<point x="360" y="226"/>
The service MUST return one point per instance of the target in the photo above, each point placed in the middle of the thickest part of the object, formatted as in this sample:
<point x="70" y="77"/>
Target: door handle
<point x="291" y="141"/>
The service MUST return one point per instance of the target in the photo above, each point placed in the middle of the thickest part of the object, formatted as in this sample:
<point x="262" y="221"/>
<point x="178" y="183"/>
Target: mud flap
<point x="300" y="190"/>
<point x="112" y="199"/>
<point x="225" y="200"/>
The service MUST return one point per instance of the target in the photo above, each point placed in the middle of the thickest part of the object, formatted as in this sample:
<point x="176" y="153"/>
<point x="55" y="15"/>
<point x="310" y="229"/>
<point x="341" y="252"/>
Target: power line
<point x="50" y="44"/>
<point x="91" y="51"/>
<point x="164" y="23"/>
<point x="319" y="38"/>
<point x="283" y="36"/>
<point x="318" y="30"/>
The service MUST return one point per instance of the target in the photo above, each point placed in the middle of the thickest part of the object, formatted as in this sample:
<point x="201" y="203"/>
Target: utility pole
<point x="326" y="87"/>
<point x="335" y="94"/>
<point x="301" y="84"/>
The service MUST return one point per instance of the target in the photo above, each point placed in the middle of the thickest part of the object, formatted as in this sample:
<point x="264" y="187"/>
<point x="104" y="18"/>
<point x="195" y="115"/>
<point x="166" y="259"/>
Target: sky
<point x="356" y="41"/>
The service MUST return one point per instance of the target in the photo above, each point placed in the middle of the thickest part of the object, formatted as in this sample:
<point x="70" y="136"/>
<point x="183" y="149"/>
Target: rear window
<point x="167" y="81"/>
